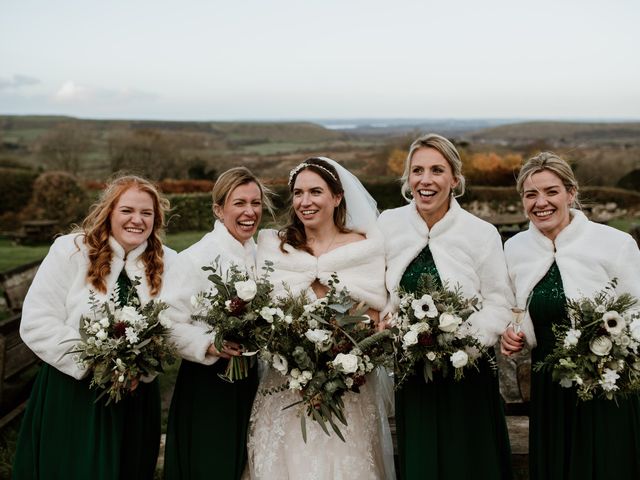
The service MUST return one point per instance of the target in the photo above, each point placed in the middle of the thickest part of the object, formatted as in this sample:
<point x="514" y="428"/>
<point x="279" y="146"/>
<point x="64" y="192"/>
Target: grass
<point x="624" y="223"/>
<point x="12" y="256"/>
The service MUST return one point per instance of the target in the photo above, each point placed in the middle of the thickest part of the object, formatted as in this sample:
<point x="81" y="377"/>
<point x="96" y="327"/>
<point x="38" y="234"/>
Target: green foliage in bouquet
<point x="596" y="349"/>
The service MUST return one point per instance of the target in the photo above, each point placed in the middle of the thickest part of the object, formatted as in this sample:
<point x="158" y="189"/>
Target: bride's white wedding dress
<point x="276" y="448"/>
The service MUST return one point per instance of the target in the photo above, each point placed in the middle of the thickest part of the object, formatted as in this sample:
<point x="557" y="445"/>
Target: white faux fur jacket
<point x="59" y="296"/>
<point x="588" y="256"/>
<point x="186" y="279"/>
<point x="359" y="266"/>
<point x="466" y="250"/>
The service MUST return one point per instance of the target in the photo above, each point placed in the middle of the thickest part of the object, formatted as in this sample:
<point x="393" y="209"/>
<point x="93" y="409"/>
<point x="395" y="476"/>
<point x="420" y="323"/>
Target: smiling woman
<point x="68" y="431"/>
<point x="208" y="416"/>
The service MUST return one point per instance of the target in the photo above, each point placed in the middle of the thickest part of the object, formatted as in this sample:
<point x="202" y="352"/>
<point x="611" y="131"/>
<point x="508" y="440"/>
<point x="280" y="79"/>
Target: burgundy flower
<point x="359" y="380"/>
<point x="237" y="306"/>
<point x="119" y="329"/>
<point x="426" y="339"/>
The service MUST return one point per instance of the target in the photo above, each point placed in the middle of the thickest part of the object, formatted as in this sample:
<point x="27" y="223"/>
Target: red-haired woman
<point x="66" y="433"/>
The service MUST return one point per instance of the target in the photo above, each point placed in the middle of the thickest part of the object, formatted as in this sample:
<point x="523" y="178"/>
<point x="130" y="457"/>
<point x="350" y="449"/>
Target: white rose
<point x="246" y="290"/>
<point x="346" y="362"/>
<point x="431" y="356"/>
<point x="294" y="385"/>
<point x="104" y="322"/>
<point x="163" y="318"/>
<point x="449" y="322"/>
<point x="267" y="313"/>
<point x="295" y="373"/>
<point x="288" y="319"/>
<point x="410" y="338"/>
<point x="459" y="359"/>
<point x="102" y="335"/>
<point x="601" y="346"/>
<point x="317" y="335"/>
<point x="307" y="375"/>
<point x="130" y="315"/>
<point x="566" y="382"/>
<point x="280" y="363"/>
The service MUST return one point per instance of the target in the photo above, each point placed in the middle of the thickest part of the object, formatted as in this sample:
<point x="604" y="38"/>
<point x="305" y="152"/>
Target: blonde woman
<point x="208" y="419"/>
<point x="564" y="255"/>
<point x="448" y="429"/>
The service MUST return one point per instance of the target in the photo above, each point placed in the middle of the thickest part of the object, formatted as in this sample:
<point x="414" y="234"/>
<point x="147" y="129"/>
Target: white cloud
<point x="17" y="81"/>
<point x="72" y="92"/>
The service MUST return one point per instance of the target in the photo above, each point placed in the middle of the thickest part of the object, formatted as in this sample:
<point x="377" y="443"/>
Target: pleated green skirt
<point x="66" y="434"/>
<point x="570" y="439"/>
<point x="452" y="430"/>
<point x="208" y="421"/>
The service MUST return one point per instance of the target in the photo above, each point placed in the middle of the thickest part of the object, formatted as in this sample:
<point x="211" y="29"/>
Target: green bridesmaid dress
<point x="208" y="421"/>
<point x="570" y="439"/>
<point x="67" y="434"/>
<point x="448" y="429"/>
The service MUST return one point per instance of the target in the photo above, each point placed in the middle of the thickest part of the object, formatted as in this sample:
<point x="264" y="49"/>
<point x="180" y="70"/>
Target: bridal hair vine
<point x="294" y="171"/>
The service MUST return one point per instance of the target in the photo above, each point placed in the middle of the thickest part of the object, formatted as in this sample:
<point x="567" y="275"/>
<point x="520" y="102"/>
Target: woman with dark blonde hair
<point x="66" y="432"/>
<point x="331" y="230"/>
<point x="564" y="255"/>
<point x="206" y="433"/>
<point x="448" y="429"/>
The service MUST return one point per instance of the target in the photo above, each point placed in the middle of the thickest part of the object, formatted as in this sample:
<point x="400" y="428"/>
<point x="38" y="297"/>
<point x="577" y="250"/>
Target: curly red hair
<point x="96" y="228"/>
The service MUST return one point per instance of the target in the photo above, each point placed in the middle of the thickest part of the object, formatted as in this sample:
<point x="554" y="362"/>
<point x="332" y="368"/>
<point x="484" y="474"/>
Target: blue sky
<point x="297" y="59"/>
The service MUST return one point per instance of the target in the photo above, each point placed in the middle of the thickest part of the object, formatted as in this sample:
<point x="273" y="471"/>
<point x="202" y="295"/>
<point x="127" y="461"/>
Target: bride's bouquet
<point x="431" y="326"/>
<point x="120" y="344"/>
<point x="239" y="309"/>
<point x="597" y="351"/>
<point x="325" y="349"/>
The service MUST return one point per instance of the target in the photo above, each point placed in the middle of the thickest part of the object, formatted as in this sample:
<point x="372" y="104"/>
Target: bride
<point x="331" y="229"/>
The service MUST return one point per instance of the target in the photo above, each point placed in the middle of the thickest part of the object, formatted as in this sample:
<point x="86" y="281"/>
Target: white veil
<point x="362" y="210"/>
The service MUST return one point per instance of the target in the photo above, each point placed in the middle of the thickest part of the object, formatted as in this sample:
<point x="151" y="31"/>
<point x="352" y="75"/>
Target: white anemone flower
<point x="613" y="323"/>
<point x="424" y="307"/>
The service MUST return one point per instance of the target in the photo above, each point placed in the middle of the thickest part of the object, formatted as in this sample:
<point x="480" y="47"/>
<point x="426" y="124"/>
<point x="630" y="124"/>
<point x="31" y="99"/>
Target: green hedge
<point x="190" y="211"/>
<point x="16" y="187"/>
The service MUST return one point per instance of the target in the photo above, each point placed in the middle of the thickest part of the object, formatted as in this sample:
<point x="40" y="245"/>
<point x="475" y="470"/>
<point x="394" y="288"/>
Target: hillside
<point x="560" y="133"/>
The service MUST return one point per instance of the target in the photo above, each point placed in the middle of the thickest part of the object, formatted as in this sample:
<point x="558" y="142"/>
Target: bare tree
<point x="62" y="147"/>
<point x="151" y="153"/>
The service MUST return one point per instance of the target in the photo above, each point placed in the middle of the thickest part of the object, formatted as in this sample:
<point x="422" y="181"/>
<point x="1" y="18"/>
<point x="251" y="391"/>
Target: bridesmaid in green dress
<point x="208" y="418"/>
<point x="448" y="429"/>
<point x="66" y="432"/>
<point x="563" y="255"/>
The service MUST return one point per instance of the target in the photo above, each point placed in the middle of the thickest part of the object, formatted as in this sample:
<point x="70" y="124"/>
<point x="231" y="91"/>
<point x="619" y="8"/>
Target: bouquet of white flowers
<point x="120" y="344"/>
<point x="325" y="349"/>
<point x="431" y="327"/>
<point x="238" y="309"/>
<point x="597" y="351"/>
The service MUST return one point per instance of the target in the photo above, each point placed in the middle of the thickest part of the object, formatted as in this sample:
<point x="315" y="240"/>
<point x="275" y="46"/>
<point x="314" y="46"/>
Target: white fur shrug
<point x="59" y="296"/>
<point x="186" y="278"/>
<point x="466" y="250"/>
<point x="588" y="256"/>
<point x="359" y="266"/>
